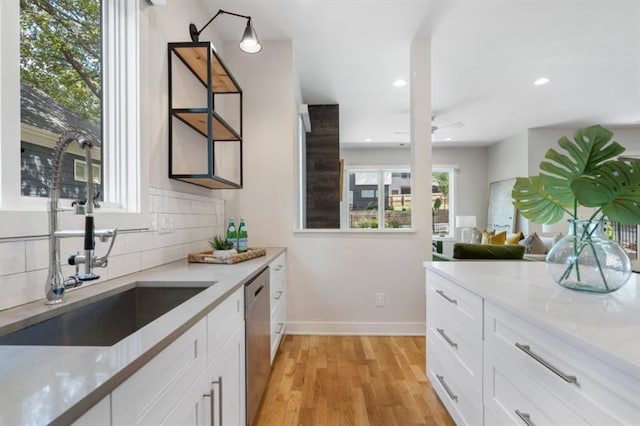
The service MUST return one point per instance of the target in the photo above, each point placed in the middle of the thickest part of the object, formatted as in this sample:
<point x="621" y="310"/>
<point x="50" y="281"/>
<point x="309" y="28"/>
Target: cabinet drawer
<point x="463" y="402"/>
<point x="278" y="326"/>
<point x="459" y="344"/>
<point x="456" y="302"/>
<point x="277" y="279"/>
<point x="600" y="393"/>
<point x="150" y="393"/>
<point x="512" y="397"/>
<point x="223" y="320"/>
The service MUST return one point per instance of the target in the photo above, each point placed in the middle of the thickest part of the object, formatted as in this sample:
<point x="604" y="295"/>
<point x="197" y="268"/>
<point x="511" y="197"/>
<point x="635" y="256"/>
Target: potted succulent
<point x="222" y="247"/>
<point x="590" y="174"/>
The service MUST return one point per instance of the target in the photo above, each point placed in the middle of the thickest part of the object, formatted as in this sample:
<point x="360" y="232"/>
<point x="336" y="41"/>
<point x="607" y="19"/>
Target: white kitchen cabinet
<point x="170" y="388"/>
<point x="494" y="366"/>
<point x="529" y="370"/>
<point x="278" y="285"/>
<point x="454" y="348"/>
<point x="148" y="395"/>
<point x="227" y="376"/>
<point x="98" y="415"/>
<point x="218" y="396"/>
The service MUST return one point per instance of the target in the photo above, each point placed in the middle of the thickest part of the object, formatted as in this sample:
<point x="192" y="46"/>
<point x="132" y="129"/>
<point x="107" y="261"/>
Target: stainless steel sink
<point x="107" y="321"/>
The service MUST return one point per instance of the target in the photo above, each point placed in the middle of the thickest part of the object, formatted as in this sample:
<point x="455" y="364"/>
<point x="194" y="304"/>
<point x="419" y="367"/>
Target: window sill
<point x="356" y="231"/>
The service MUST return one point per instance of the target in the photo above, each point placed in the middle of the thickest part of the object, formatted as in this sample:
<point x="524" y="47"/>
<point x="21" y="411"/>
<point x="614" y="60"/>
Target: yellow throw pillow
<point x="498" y="239"/>
<point x="514" y="238"/>
<point x="486" y="237"/>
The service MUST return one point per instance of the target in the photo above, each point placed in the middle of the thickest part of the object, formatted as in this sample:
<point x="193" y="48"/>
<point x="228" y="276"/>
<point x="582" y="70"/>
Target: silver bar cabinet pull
<point x="447" y="298"/>
<point x="526" y="418"/>
<point x="447" y="338"/>
<point x="219" y="383"/>
<point x="212" y="407"/>
<point x="527" y="349"/>
<point x="446" y="388"/>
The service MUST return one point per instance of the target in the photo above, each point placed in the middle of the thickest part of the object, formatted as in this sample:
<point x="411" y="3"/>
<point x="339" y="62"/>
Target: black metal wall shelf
<point x="203" y="62"/>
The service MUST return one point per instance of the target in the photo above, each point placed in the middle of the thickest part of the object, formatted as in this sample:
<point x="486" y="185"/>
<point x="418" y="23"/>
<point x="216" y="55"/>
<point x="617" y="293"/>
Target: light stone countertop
<point x="606" y="326"/>
<point x="44" y="384"/>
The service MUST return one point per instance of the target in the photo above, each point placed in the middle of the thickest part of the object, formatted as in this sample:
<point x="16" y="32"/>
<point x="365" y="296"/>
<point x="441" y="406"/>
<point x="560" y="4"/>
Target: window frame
<point x="452" y="171"/>
<point x="121" y="119"/>
<point x="380" y="170"/>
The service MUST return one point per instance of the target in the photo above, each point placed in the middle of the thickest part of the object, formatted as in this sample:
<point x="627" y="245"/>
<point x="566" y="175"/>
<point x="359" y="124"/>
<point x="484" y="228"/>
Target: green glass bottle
<point x="232" y="233"/>
<point x="242" y="236"/>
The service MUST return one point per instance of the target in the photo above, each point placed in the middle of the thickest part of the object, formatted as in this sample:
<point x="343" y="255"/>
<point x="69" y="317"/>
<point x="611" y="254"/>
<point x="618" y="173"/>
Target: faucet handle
<point x="101" y="261"/>
<point x="79" y="206"/>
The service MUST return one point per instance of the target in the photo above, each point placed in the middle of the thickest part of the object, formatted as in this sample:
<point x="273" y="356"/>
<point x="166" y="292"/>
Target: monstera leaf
<point x="614" y="187"/>
<point x="591" y="147"/>
<point x="535" y="203"/>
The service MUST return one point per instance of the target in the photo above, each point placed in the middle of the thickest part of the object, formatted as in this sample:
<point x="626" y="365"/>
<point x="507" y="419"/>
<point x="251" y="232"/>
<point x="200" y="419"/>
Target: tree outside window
<point x="61" y="88"/>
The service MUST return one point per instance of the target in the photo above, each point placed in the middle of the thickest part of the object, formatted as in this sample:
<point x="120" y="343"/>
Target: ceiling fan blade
<point x="457" y="124"/>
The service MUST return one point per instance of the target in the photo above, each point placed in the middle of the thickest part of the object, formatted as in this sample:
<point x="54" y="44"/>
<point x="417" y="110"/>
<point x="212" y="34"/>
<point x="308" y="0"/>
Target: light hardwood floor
<point x="351" y="380"/>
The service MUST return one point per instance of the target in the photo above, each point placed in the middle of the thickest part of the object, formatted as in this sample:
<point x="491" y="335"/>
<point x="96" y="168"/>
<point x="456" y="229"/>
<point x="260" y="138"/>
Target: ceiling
<point x="486" y="55"/>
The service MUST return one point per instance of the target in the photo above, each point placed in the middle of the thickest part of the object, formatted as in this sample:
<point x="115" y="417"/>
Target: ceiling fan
<point x="436" y="127"/>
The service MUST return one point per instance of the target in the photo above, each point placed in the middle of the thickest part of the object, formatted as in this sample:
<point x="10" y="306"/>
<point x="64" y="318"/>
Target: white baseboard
<point x="357" y="328"/>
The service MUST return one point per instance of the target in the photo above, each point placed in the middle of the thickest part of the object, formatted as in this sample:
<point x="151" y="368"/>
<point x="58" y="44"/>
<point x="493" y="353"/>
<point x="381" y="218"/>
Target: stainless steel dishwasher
<point x="258" y="340"/>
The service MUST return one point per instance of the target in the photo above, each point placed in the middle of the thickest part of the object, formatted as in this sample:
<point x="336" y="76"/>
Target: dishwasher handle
<point x="255" y="293"/>
<point x="254" y="289"/>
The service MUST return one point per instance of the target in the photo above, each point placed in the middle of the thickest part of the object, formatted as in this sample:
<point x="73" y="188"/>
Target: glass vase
<point x="587" y="260"/>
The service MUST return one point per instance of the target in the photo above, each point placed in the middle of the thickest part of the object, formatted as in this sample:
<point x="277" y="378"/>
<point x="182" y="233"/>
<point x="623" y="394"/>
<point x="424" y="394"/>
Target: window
<point x="60" y="90"/>
<point x="88" y="84"/>
<point x="377" y="199"/>
<point x="442" y="196"/>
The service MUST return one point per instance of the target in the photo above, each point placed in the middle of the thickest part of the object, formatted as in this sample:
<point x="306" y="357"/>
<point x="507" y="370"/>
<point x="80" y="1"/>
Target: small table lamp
<point x="467" y="224"/>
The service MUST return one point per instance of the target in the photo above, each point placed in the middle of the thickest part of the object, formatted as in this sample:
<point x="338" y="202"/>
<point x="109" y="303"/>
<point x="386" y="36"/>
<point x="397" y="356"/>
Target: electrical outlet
<point x="379" y="300"/>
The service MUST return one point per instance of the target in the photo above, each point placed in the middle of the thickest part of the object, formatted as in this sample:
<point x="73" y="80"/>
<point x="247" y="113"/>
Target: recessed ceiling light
<point x="541" y="81"/>
<point x="447" y="139"/>
<point x="368" y="140"/>
<point x="400" y="83"/>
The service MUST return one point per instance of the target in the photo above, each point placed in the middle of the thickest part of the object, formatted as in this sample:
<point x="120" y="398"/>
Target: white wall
<point x="376" y="156"/>
<point x="332" y="276"/>
<point x="508" y="158"/>
<point x="267" y="201"/>
<point x="471" y="181"/>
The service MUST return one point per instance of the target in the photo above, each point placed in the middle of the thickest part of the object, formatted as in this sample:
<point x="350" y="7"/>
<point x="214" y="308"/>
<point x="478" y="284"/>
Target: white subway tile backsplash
<point x="12" y="258"/>
<point x="18" y="289"/>
<point x="37" y="254"/>
<point x="138" y="241"/>
<point x="124" y="264"/>
<point x="151" y="258"/>
<point x="179" y="224"/>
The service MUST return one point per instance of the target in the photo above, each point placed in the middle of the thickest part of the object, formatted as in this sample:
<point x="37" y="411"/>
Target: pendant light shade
<point x="250" y="42"/>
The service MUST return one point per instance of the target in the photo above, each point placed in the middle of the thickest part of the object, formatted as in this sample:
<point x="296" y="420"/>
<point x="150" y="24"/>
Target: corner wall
<point x="332" y="276"/>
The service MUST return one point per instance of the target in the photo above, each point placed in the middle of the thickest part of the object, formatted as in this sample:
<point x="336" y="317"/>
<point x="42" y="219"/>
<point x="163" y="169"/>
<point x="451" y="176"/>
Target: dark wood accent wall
<point x="322" y="163"/>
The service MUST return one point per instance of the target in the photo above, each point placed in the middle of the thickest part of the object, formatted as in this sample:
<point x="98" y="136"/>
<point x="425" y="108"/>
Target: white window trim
<point x="452" y="170"/>
<point x="121" y="150"/>
<point x="344" y="205"/>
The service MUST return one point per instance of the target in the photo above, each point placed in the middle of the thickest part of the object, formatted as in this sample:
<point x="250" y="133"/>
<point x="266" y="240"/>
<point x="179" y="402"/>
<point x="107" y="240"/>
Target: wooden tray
<point x="207" y="256"/>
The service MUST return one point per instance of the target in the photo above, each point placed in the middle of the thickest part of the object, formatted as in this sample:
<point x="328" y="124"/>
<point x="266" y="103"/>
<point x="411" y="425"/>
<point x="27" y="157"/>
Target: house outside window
<point x="377" y="198"/>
